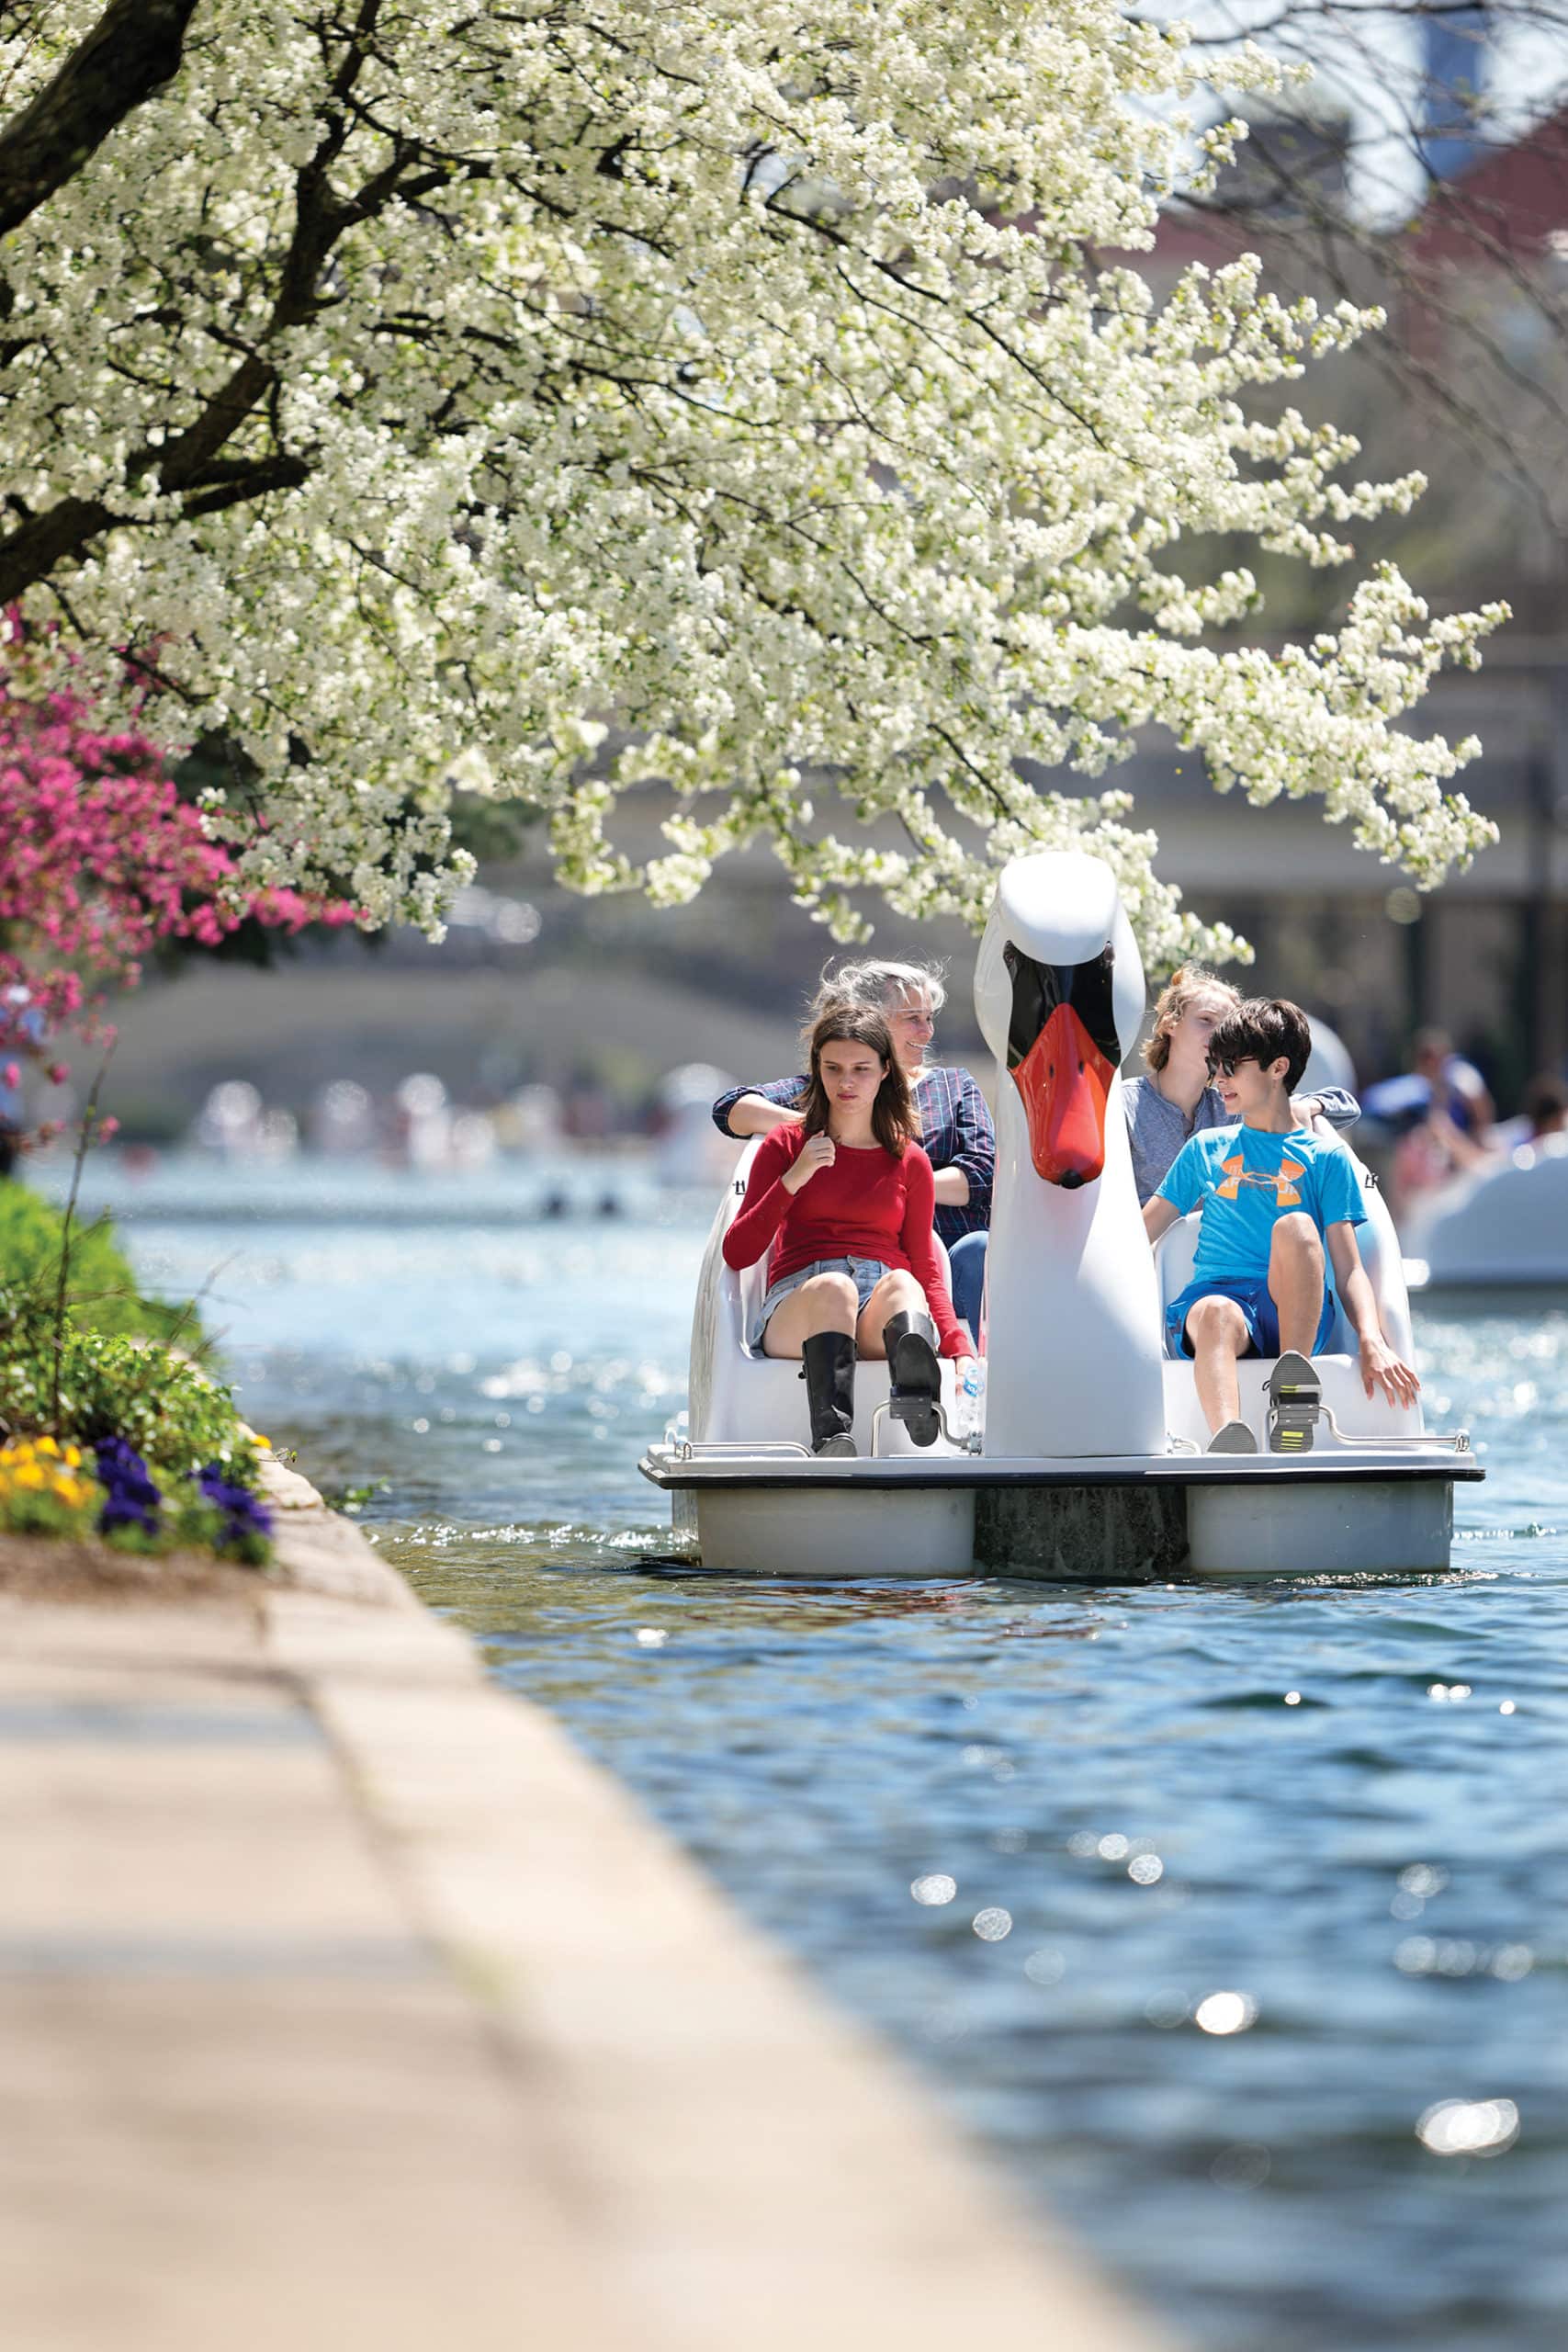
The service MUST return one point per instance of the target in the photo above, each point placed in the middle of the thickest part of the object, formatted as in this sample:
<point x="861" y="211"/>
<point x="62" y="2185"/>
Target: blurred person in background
<point x="1459" y="1092"/>
<point x="1448" y="1115"/>
<point x="1544" y="1117"/>
<point x="21" y="1026"/>
<point x="1546" y="1106"/>
<point x="955" y="1128"/>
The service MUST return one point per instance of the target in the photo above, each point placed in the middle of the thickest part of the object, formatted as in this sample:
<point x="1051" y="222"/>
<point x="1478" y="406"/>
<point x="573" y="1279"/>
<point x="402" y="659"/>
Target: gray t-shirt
<point x="1158" y="1129"/>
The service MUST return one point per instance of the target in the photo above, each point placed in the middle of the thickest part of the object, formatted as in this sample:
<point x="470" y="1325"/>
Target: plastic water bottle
<point x="972" y="1397"/>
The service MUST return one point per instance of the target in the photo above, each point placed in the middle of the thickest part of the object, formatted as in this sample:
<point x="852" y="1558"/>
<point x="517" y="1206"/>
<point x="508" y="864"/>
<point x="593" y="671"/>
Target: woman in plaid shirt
<point x="956" y="1125"/>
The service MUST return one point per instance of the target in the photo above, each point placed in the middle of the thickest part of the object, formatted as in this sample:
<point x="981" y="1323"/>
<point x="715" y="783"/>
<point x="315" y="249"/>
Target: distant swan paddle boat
<point x="1083" y="1457"/>
<point x="1503" y="1224"/>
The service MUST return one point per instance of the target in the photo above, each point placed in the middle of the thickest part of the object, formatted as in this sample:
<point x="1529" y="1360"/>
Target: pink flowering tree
<point x="100" y="863"/>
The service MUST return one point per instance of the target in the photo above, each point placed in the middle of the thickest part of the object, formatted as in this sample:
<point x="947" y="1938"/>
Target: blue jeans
<point x="966" y="1257"/>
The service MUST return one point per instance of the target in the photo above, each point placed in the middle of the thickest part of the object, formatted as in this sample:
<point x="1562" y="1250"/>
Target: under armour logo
<point x="1282" y="1186"/>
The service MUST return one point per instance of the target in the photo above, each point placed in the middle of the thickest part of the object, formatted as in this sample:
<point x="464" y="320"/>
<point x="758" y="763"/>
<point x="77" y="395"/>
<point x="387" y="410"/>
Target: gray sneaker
<point x="1296" y="1399"/>
<point x="1234" y="1438"/>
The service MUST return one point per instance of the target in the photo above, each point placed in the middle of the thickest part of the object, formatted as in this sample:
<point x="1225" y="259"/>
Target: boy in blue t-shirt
<point x="1271" y="1195"/>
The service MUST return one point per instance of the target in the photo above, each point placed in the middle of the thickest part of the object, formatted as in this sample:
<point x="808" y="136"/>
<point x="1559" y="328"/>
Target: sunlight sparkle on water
<point x="992" y="1924"/>
<point x="1226" y="2012"/>
<point x="935" y="1887"/>
<point x="1457" y="2127"/>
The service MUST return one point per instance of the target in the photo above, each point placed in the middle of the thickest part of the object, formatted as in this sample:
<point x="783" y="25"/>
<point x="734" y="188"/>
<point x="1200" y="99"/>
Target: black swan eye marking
<point x="1038" y="988"/>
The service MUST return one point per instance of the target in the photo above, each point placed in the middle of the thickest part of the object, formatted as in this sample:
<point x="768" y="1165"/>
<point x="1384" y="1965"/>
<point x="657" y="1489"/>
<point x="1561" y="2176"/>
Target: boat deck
<point x="763" y="1466"/>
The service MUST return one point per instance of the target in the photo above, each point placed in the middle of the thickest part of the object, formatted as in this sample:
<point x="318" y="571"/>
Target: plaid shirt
<point x="955" y="1128"/>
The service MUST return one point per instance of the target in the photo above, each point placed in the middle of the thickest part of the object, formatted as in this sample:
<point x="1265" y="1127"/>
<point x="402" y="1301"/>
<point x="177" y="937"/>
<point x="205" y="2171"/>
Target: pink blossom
<point x="11" y="1075"/>
<point x="57" y="1073"/>
<point x="100" y="860"/>
<point x="107" y="1128"/>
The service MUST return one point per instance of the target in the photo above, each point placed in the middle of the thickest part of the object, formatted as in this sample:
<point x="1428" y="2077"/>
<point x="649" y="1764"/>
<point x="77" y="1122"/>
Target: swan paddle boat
<point x="1083" y="1457"/>
<point x="1503" y="1224"/>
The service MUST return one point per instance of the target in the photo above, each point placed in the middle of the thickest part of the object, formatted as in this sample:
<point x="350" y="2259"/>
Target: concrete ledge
<point x="761" y="2175"/>
<point x="320" y="1550"/>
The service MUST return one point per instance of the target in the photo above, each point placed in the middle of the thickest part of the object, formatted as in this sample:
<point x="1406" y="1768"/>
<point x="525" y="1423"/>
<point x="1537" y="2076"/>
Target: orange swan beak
<point x="1065" y="1081"/>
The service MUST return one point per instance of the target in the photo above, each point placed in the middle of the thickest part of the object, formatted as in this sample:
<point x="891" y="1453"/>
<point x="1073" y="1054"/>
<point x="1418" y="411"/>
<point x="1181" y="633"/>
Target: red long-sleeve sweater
<point x="867" y="1205"/>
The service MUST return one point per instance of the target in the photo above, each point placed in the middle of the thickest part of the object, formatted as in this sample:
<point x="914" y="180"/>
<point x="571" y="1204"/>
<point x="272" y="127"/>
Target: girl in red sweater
<point x="846" y="1200"/>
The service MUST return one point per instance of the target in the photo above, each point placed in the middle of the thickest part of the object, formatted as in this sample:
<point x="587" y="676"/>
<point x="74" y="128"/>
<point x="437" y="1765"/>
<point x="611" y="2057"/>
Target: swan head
<point x="1059" y="994"/>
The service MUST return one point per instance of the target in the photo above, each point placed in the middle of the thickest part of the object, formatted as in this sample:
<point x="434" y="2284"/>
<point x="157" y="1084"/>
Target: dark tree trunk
<point x="135" y="46"/>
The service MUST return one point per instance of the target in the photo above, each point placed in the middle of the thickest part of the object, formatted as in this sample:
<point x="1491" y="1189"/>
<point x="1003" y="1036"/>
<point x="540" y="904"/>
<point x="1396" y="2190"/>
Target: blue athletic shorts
<point x="1259" y="1309"/>
<point x="865" y="1274"/>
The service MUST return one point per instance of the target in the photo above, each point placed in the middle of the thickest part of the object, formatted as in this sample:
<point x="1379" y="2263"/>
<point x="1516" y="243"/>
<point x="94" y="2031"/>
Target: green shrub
<point x="111" y="1375"/>
<point x="166" y="1407"/>
<point x="101" y="1292"/>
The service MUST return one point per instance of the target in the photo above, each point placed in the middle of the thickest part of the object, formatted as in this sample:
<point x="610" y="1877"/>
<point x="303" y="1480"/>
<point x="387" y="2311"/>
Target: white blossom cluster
<point x="593" y="391"/>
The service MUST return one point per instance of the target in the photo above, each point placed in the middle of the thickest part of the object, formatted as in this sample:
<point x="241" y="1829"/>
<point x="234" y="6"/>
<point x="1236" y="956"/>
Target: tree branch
<point x="135" y="46"/>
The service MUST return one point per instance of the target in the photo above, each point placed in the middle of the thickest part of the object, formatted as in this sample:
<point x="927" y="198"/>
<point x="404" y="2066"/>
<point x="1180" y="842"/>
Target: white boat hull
<point x="1128" y="1518"/>
<point x="1372" y="1526"/>
<point x="817" y="1532"/>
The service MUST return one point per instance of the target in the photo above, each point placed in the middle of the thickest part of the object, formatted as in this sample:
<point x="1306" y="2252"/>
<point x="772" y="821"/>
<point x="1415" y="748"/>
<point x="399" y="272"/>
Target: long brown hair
<point x="893" y="1119"/>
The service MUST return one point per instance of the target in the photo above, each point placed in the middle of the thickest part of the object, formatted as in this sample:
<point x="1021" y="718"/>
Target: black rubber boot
<point x="828" y="1371"/>
<point x="914" y="1375"/>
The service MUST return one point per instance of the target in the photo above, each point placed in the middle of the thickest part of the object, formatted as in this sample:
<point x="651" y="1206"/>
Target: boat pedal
<point x="1295" y="1403"/>
<point x="920" y="1415"/>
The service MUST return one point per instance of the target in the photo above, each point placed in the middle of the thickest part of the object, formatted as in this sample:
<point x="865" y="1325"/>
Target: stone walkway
<point x="346" y="2004"/>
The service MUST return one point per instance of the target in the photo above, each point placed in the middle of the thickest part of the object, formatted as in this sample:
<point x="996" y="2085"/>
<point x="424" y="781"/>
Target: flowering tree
<point x="99" y="862"/>
<point x="596" y="390"/>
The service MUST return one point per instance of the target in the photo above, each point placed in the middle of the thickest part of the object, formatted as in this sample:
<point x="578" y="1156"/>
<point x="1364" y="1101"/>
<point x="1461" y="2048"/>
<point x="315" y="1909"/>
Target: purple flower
<point x="132" y="1498"/>
<point x="243" y="1514"/>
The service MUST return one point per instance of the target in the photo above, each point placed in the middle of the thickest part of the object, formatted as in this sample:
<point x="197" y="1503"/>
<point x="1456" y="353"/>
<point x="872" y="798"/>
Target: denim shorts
<point x="1258" y="1313"/>
<point x="865" y="1274"/>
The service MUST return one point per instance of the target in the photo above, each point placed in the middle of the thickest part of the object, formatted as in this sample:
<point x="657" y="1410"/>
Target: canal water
<point x="1235" y="1920"/>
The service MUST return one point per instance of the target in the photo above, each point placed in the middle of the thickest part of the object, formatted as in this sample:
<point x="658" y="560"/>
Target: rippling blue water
<point x="1340" y="1804"/>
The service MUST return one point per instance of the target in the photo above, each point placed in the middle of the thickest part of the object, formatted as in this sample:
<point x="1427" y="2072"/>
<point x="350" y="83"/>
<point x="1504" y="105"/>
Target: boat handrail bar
<point x="970" y="1444"/>
<point x="699" y="1449"/>
<point x="1458" y="1439"/>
